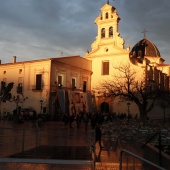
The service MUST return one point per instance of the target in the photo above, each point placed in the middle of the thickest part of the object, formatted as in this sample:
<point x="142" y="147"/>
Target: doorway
<point x="104" y="107"/>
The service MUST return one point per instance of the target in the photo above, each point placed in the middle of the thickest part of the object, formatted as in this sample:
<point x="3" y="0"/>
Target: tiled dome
<point x="144" y="48"/>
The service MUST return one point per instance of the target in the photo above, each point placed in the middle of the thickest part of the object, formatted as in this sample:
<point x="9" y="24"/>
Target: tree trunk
<point x="143" y="115"/>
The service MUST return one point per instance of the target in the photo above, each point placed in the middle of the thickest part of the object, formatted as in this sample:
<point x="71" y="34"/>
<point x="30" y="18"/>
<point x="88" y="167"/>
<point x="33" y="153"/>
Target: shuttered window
<point x="60" y="82"/>
<point x="105" y="68"/>
<point x="73" y="83"/>
<point x="38" y="81"/>
<point x="84" y="86"/>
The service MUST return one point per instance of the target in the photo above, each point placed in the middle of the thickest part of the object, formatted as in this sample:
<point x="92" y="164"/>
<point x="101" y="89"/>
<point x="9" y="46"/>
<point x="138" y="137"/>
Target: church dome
<point x="144" y="48"/>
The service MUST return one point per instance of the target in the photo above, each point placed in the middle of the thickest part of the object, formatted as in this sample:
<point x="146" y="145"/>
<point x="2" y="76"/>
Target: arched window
<point x="111" y="32"/>
<point x="140" y="53"/>
<point x="101" y="16"/>
<point x="103" y="33"/>
<point x="107" y="15"/>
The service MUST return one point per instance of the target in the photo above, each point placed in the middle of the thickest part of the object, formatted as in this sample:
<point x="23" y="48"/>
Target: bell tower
<point x="108" y="38"/>
<point x="107" y="22"/>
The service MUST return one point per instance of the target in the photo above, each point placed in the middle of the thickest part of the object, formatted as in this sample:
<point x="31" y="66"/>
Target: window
<point x="20" y="85"/>
<point x="38" y="81"/>
<point x="19" y="88"/>
<point x="103" y="33"/>
<point x="84" y="86"/>
<point x="106" y="15"/>
<point x="20" y="71"/>
<point x="60" y="80"/>
<point x="73" y="82"/>
<point x="111" y="32"/>
<point x="105" y="68"/>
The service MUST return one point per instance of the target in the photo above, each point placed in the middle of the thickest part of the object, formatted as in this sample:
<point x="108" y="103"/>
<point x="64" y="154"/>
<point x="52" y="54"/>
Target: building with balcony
<point x="53" y="85"/>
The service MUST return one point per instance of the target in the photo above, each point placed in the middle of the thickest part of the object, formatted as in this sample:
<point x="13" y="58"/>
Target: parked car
<point x="28" y="113"/>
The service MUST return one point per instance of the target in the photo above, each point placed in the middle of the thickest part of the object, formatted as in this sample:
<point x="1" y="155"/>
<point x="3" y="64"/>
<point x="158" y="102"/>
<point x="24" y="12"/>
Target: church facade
<point x="108" y="52"/>
<point x="69" y="85"/>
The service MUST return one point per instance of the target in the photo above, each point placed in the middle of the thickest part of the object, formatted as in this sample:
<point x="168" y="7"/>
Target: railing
<point x="135" y="162"/>
<point x="158" y="139"/>
<point x="25" y="164"/>
<point x="159" y="144"/>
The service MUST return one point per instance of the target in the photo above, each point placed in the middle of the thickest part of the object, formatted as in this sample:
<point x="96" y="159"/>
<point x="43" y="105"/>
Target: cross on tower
<point x="144" y="32"/>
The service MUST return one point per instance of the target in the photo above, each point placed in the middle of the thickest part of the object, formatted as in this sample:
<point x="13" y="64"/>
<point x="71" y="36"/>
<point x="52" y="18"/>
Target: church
<point x="108" y="51"/>
<point x="69" y="85"/>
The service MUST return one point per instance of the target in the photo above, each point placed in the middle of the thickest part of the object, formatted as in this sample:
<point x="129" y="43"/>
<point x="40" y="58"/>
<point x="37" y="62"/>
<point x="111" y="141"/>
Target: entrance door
<point x="104" y="107"/>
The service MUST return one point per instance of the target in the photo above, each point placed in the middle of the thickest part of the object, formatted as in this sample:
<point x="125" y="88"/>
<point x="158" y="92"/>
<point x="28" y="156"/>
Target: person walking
<point x="86" y="120"/>
<point x="78" y="120"/>
<point x="98" y="135"/>
<point x="71" y="120"/>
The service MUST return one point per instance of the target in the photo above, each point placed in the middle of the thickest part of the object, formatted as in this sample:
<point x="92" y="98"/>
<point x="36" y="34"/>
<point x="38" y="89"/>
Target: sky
<point x="37" y="29"/>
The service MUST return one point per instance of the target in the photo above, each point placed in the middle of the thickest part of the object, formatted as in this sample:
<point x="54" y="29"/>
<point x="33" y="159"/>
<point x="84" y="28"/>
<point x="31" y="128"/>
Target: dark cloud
<point x="33" y="29"/>
<point x="152" y="15"/>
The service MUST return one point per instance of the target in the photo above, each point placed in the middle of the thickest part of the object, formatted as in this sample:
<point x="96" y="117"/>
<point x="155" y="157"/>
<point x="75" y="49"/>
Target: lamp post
<point x="128" y="105"/>
<point x="41" y="101"/>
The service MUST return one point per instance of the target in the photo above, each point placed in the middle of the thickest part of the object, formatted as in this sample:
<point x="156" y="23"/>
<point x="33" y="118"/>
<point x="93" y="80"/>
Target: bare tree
<point x="5" y="92"/>
<point x="127" y="85"/>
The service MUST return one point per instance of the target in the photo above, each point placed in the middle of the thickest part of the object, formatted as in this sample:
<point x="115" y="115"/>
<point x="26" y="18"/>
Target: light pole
<point x="128" y="105"/>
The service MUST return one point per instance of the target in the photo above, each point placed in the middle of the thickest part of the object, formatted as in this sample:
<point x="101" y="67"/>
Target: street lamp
<point x="128" y="105"/>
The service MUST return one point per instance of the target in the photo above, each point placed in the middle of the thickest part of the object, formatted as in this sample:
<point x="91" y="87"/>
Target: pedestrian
<point x="78" y="120"/>
<point x="98" y="135"/>
<point x="93" y="121"/>
<point x="86" y="120"/>
<point x="71" y="120"/>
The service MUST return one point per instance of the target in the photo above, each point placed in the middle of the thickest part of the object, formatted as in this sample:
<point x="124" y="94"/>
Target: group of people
<point x="94" y="120"/>
<point x="83" y="117"/>
<point x="78" y="119"/>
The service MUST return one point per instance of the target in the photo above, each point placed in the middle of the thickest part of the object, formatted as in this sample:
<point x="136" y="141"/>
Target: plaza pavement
<point x="68" y="143"/>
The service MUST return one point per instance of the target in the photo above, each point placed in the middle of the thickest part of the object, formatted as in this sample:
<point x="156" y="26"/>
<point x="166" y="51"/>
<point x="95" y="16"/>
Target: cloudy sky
<point x="36" y="29"/>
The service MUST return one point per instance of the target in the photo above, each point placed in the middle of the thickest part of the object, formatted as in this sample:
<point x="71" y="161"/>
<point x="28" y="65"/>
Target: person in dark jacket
<point x="98" y="135"/>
